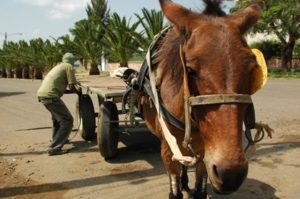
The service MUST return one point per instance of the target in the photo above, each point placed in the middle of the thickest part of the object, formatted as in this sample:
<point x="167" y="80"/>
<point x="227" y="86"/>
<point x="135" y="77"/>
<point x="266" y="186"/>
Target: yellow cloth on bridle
<point x="260" y="73"/>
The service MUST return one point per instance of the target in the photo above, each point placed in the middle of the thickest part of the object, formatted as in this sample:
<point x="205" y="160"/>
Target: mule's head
<point x="219" y="62"/>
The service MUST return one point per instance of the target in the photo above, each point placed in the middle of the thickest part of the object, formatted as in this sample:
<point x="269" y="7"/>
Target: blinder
<point x="249" y="121"/>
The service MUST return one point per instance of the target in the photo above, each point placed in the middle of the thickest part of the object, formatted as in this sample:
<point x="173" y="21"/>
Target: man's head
<point x="68" y="58"/>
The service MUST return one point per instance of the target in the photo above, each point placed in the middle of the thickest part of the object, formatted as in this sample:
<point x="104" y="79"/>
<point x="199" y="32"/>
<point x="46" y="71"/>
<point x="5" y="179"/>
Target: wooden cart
<point x="111" y="121"/>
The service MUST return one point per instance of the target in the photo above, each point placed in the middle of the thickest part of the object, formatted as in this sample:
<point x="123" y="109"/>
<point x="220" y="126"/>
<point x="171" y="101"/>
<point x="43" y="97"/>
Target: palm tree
<point x="3" y="64"/>
<point x="119" y="39"/>
<point x="53" y="53"/>
<point x="18" y="58"/>
<point x="88" y="34"/>
<point x="99" y="13"/>
<point x="87" y="42"/>
<point x="22" y="70"/>
<point x="153" y="23"/>
<point x="36" y="56"/>
<point x="10" y="58"/>
<point x="67" y="44"/>
<point x="98" y="10"/>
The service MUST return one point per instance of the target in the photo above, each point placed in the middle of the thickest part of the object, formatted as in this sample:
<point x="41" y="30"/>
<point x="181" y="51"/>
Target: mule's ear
<point x="247" y="17"/>
<point x="181" y="17"/>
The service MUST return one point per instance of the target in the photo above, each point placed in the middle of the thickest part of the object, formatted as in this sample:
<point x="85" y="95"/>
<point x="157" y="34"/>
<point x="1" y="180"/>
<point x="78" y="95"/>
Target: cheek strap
<point x="261" y="129"/>
<point x="186" y="97"/>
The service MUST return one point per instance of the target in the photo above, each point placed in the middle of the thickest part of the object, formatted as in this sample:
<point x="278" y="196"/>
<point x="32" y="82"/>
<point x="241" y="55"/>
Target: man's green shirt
<point x="57" y="80"/>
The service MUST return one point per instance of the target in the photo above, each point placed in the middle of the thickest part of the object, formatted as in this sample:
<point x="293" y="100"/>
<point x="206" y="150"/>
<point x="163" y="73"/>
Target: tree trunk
<point x="31" y="72"/>
<point x="94" y="70"/>
<point x="25" y="72"/>
<point x="38" y="73"/>
<point x="10" y="73"/>
<point x="124" y="64"/>
<point x="18" y="72"/>
<point x="287" y="54"/>
<point x="3" y="73"/>
<point x="84" y="63"/>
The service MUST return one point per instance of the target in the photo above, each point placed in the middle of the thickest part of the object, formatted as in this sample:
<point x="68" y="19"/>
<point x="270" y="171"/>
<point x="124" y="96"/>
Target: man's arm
<point x="73" y="84"/>
<point x="73" y="88"/>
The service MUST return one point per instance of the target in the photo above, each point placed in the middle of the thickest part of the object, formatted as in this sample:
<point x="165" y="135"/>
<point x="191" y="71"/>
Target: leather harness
<point x="190" y="101"/>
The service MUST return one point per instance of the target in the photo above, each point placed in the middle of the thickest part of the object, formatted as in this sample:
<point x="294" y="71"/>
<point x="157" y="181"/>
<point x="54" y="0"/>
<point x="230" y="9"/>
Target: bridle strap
<point x="201" y="100"/>
<point x="187" y="107"/>
<point x="220" y="99"/>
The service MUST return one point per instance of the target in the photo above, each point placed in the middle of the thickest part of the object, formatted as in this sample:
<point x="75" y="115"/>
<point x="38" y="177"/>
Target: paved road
<point x="27" y="172"/>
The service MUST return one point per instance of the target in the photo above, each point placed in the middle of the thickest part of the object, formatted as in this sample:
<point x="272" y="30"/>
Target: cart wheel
<point x="107" y="136"/>
<point x="86" y="117"/>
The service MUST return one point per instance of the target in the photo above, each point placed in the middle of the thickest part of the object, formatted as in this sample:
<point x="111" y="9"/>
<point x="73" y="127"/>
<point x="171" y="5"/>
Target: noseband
<point x="203" y="100"/>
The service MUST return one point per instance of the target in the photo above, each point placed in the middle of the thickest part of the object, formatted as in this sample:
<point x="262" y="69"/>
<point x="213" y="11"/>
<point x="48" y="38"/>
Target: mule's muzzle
<point x="228" y="180"/>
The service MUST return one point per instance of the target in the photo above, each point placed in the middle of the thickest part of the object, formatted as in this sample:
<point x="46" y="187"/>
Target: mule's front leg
<point x="175" y="191"/>
<point x="185" y="179"/>
<point x="173" y="169"/>
<point x="201" y="181"/>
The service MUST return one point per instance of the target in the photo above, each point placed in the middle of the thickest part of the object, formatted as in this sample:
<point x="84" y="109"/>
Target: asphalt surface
<point x="26" y="171"/>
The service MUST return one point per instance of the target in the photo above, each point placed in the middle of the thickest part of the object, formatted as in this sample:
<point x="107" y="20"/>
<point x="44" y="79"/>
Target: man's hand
<point x="68" y="91"/>
<point x="78" y="90"/>
<point x="74" y="89"/>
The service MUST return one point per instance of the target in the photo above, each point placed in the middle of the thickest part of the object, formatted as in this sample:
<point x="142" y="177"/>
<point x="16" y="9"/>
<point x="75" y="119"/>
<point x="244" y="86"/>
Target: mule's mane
<point x="213" y="8"/>
<point x="169" y="53"/>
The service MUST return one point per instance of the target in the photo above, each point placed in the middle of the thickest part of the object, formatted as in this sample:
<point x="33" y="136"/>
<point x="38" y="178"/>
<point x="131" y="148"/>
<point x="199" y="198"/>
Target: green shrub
<point x="297" y="49"/>
<point x="270" y="48"/>
<point x="275" y="74"/>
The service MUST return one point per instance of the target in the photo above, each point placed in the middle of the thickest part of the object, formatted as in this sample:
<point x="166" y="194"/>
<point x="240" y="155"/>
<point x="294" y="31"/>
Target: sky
<point x="28" y="19"/>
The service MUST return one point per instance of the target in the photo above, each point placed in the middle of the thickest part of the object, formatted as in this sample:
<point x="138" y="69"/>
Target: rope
<point x="170" y="139"/>
<point x="79" y="120"/>
<point x="261" y="130"/>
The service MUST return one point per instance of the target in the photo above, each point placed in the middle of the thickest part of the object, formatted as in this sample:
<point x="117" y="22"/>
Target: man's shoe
<point x="55" y="151"/>
<point x="67" y="142"/>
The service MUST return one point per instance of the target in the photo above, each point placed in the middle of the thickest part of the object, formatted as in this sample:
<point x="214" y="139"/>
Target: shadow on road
<point x="72" y="147"/>
<point x="34" y="129"/>
<point x="8" y="94"/>
<point x="137" y="146"/>
<point x="266" y="149"/>
<point x="144" y="146"/>
<point x="251" y="189"/>
<point x="41" y="128"/>
<point x="74" y="184"/>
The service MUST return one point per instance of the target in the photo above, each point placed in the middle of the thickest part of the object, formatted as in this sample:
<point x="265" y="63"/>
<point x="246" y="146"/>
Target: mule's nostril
<point x="227" y="180"/>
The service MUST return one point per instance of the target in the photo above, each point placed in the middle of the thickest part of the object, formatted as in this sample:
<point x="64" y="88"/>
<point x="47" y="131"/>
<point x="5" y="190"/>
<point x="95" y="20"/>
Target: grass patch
<point x="284" y="75"/>
<point x="105" y="73"/>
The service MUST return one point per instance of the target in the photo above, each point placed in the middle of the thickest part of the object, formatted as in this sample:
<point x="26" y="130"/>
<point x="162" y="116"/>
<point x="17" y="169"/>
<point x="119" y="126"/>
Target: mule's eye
<point x="191" y="71"/>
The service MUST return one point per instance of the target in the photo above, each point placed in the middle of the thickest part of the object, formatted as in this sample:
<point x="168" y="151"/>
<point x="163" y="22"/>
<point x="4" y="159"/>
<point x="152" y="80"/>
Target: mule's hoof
<point x="200" y="195"/>
<point x="178" y="196"/>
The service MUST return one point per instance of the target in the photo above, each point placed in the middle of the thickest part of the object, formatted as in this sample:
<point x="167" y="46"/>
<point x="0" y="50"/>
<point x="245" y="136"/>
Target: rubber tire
<point x="107" y="137"/>
<point x="86" y="117"/>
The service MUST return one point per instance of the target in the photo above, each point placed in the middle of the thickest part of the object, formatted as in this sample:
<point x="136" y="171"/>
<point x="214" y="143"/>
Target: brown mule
<point x="218" y="61"/>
